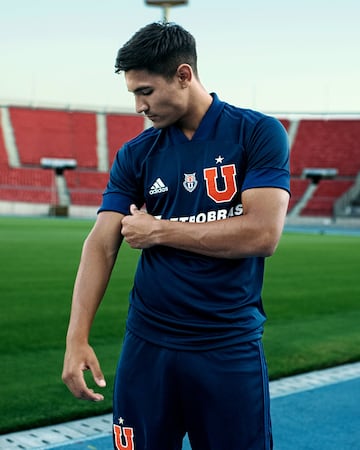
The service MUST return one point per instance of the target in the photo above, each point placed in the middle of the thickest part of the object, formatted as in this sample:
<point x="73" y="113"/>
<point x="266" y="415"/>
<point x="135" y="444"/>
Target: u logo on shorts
<point x="128" y="437"/>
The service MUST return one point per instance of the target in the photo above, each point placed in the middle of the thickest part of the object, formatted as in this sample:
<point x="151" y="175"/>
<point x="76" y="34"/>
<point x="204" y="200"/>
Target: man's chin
<point x="159" y="124"/>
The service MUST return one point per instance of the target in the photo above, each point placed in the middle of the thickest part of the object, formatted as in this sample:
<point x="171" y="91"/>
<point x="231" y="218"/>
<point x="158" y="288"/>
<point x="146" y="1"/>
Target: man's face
<point x="161" y="100"/>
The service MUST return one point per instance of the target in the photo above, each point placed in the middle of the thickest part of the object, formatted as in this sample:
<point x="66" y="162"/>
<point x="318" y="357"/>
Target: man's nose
<point x="141" y="106"/>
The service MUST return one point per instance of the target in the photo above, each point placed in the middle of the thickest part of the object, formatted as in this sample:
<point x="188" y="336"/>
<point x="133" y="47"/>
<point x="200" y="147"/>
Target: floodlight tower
<point x="166" y="5"/>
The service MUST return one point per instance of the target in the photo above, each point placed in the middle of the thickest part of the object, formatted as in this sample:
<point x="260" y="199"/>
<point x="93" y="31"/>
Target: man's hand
<point x="76" y="361"/>
<point x="138" y="228"/>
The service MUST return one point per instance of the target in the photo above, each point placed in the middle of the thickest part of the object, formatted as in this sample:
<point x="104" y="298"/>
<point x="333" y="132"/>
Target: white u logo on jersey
<point x="190" y="181"/>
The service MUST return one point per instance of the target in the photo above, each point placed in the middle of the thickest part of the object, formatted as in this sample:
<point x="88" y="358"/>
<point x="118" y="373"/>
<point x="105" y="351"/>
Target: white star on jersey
<point x="219" y="159"/>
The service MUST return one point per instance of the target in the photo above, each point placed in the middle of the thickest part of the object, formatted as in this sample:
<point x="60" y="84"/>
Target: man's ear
<point x="185" y="74"/>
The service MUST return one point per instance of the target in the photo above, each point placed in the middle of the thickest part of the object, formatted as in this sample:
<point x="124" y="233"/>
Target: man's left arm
<point x="255" y="233"/>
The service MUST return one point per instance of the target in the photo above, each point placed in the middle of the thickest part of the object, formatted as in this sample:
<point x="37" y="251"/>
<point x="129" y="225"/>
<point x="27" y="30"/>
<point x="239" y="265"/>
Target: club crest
<point x="190" y="181"/>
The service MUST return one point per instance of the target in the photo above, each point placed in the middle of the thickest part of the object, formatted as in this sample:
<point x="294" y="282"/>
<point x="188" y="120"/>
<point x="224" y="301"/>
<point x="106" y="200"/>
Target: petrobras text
<point x="210" y="216"/>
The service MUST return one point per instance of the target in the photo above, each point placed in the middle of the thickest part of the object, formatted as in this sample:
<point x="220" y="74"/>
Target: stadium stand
<point x="327" y="143"/>
<point x="322" y="202"/>
<point x="27" y="135"/>
<point x="85" y="188"/>
<point x="54" y="134"/>
<point x="329" y="146"/>
<point x="324" y="158"/>
<point x="23" y="185"/>
<point x="27" y="185"/>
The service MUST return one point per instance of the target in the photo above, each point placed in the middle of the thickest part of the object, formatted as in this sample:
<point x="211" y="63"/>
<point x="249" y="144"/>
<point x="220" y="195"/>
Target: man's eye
<point x="146" y="91"/>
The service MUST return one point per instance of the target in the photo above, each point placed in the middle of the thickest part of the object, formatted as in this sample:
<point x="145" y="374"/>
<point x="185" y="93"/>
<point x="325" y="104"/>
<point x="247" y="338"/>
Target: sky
<point x="275" y="56"/>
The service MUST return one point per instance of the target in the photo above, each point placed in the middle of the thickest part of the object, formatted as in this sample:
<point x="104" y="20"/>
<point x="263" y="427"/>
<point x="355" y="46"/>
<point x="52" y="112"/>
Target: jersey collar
<point x="207" y="124"/>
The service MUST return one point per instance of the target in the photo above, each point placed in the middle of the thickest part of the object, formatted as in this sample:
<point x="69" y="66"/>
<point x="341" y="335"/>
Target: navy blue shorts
<point x="219" y="397"/>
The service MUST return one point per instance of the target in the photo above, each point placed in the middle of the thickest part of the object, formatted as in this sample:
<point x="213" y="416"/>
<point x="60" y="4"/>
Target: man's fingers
<point x="99" y="379"/>
<point x="73" y="377"/>
<point x="79" y="388"/>
<point x="133" y="209"/>
<point x="100" y="382"/>
<point x="98" y="376"/>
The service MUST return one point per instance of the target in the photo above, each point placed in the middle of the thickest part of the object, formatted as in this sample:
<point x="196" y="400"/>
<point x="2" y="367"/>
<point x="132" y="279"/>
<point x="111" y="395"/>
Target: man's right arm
<point x="97" y="261"/>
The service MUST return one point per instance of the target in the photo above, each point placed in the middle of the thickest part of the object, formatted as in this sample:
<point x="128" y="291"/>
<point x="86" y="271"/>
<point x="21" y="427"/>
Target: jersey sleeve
<point x="267" y="156"/>
<point x="123" y="187"/>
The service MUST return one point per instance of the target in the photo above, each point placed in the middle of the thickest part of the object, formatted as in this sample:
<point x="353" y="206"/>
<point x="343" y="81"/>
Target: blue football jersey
<point x="181" y="299"/>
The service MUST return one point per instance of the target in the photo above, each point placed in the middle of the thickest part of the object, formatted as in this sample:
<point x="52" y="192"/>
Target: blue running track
<point x="315" y="411"/>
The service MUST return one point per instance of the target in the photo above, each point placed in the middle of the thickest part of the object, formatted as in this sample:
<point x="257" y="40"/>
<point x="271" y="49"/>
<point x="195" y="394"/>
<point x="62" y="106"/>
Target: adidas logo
<point x="158" y="187"/>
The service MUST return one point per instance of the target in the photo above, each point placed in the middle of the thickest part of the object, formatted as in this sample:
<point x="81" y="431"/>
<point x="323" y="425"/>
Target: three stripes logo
<point x="158" y="187"/>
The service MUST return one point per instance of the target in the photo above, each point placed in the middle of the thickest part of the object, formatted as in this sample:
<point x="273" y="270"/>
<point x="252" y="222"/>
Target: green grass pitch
<point x="311" y="296"/>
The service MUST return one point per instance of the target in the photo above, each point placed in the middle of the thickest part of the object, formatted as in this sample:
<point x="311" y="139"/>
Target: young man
<point x="215" y="182"/>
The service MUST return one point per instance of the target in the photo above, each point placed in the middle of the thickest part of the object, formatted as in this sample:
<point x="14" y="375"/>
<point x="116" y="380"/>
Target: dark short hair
<point x="158" y="48"/>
